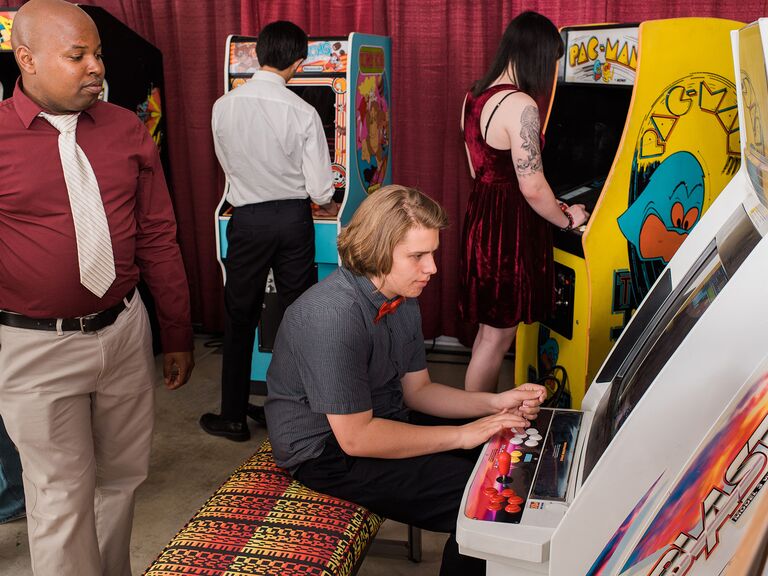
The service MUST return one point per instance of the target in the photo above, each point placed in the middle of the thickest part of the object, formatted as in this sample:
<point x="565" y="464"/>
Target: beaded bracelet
<point x="564" y="208"/>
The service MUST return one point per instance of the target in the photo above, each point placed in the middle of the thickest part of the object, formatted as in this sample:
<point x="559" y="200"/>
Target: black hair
<point x="280" y="44"/>
<point x="531" y="46"/>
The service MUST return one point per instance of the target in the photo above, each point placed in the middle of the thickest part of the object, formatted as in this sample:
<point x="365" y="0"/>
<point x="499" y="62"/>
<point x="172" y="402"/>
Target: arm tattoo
<point x="530" y="127"/>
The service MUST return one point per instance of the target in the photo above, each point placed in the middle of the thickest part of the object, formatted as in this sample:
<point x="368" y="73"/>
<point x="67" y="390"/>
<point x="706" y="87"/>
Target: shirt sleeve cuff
<point x="323" y="199"/>
<point x="176" y="340"/>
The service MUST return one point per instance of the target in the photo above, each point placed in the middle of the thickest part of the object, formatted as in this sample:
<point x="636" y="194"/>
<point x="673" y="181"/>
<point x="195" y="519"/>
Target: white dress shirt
<point x="271" y="144"/>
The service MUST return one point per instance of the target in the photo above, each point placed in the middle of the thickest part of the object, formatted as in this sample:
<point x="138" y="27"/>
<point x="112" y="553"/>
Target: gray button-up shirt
<point x="331" y="358"/>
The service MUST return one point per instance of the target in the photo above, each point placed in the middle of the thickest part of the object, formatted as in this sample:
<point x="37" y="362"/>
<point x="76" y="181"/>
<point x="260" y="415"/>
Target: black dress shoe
<point x="256" y="413"/>
<point x="218" y="426"/>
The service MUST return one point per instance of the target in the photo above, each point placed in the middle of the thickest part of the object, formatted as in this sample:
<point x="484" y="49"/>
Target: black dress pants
<point x="424" y="491"/>
<point x="280" y="235"/>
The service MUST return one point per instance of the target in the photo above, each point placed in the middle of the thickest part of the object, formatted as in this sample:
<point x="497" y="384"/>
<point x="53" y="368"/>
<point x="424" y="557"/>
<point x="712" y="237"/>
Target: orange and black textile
<point x="263" y="522"/>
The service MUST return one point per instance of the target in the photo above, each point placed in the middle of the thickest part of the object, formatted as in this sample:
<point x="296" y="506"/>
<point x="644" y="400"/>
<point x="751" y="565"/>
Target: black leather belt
<point x="89" y="323"/>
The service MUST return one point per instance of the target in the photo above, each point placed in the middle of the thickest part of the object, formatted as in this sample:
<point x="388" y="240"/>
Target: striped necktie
<point x="94" y="244"/>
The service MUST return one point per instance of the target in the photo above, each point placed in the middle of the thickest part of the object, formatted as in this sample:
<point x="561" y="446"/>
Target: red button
<point x="498" y="498"/>
<point x="494" y="506"/>
<point x="490" y="491"/>
<point x="508" y="492"/>
<point x="512" y="509"/>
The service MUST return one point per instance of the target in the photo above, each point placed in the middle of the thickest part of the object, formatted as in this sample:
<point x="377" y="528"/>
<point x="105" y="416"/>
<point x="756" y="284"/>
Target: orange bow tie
<point x="388" y="308"/>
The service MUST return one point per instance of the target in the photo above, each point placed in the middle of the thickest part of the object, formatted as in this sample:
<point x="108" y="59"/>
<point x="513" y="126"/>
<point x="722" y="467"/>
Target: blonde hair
<point x="381" y="222"/>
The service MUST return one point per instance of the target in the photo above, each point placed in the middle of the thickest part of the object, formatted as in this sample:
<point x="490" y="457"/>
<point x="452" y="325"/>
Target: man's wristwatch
<point x="569" y="227"/>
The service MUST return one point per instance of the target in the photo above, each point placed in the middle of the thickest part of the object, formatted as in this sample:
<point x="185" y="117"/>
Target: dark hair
<point x="531" y="45"/>
<point x="280" y="44"/>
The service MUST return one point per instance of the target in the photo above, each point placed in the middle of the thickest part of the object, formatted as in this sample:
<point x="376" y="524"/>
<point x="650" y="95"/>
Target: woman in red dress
<point x="506" y="262"/>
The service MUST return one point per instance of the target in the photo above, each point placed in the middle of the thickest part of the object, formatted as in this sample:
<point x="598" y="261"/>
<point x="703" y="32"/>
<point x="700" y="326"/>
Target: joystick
<point x="504" y="461"/>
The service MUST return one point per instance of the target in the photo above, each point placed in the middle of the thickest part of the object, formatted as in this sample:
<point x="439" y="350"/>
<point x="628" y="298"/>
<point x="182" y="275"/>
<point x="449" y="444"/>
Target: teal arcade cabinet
<point x="348" y="81"/>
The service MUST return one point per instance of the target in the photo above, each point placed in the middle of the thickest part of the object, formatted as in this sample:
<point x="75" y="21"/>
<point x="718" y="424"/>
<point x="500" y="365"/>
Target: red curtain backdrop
<point x="439" y="48"/>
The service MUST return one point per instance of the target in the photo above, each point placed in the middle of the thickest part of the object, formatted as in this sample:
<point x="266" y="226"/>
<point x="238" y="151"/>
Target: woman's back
<point x="506" y="265"/>
<point x="489" y="164"/>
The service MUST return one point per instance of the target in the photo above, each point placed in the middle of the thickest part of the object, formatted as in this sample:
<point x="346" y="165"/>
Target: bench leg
<point x="392" y="546"/>
<point x="414" y="544"/>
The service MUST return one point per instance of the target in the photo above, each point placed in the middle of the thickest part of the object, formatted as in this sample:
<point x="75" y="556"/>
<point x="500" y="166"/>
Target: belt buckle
<point x="84" y="320"/>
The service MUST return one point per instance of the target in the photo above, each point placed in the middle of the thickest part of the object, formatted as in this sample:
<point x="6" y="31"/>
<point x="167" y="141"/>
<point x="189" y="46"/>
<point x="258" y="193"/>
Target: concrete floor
<point x="188" y="465"/>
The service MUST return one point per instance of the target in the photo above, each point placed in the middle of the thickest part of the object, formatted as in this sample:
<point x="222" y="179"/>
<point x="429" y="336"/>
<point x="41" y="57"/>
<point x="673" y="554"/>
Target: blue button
<point x="528" y="458"/>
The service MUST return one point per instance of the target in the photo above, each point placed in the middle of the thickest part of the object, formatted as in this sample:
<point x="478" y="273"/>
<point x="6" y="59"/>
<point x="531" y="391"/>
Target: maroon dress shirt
<point x="39" y="274"/>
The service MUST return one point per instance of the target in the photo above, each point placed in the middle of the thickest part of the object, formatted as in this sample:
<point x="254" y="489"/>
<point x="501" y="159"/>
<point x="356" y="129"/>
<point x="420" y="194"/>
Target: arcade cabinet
<point x="348" y="81"/>
<point x="634" y="108"/>
<point x="662" y="472"/>
<point x="9" y="71"/>
<point x="133" y="79"/>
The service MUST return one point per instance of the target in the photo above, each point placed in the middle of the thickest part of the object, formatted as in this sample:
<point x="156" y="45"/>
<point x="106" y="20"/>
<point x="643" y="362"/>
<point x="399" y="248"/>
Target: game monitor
<point x="580" y="147"/>
<point x="323" y="99"/>
<point x="621" y="127"/>
<point x="661" y="472"/>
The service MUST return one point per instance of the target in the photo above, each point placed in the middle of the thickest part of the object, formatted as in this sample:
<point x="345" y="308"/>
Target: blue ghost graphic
<point x="660" y="218"/>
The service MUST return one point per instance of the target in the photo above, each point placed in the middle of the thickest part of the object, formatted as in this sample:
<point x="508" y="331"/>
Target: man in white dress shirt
<point x="272" y="148"/>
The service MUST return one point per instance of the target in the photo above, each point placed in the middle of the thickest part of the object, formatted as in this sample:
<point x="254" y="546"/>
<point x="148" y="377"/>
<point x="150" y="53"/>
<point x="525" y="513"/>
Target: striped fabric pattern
<point x="94" y="244"/>
<point x="263" y="522"/>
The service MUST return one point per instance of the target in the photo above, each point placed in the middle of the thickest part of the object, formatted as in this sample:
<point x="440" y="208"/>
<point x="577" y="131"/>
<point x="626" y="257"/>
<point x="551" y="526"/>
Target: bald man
<point x="76" y="366"/>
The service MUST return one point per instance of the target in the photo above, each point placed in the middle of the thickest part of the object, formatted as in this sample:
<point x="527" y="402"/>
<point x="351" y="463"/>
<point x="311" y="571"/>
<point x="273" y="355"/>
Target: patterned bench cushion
<point x="263" y="522"/>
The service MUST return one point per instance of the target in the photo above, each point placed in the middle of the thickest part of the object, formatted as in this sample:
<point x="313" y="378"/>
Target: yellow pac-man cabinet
<point x="644" y="130"/>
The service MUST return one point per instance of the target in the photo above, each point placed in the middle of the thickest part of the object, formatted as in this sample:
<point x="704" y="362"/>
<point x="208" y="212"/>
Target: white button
<point x="515" y="441"/>
<point x="535" y="437"/>
<point x="531" y="431"/>
<point x="531" y="443"/>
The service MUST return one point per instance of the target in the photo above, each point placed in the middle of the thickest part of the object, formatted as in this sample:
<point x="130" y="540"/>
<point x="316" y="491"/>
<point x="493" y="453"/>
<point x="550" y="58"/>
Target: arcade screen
<point x="688" y="307"/>
<point x="322" y="99"/>
<point x="669" y="327"/>
<point x="582" y="137"/>
<point x="654" y="348"/>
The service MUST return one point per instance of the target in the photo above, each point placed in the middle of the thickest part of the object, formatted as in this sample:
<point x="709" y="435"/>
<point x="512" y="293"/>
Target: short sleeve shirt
<point x="330" y="357"/>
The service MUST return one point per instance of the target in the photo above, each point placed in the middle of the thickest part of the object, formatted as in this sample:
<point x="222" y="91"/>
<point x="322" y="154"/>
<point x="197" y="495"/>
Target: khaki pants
<point x="79" y="407"/>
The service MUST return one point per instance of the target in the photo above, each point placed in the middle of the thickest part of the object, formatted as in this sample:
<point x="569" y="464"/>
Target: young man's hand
<point x="525" y="400"/>
<point x="479" y="431"/>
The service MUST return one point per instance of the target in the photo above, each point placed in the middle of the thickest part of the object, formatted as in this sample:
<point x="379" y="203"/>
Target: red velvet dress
<point x="506" y="262"/>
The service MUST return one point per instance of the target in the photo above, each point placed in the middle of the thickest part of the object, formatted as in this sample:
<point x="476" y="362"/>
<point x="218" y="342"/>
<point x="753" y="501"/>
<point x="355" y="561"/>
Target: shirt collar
<point x="26" y="108"/>
<point x="364" y="285"/>
<point x="272" y="77"/>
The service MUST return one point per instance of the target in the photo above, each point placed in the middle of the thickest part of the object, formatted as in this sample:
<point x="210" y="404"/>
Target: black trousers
<point x="279" y="235"/>
<point x="424" y="491"/>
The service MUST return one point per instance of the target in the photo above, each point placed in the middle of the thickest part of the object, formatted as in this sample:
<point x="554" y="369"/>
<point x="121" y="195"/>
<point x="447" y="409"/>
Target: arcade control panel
<point x="587" y="194"/>
<point x="523" y="476"/>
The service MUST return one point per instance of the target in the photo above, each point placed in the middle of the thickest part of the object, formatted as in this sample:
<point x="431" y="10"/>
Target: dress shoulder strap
<point x="488" y="124"/>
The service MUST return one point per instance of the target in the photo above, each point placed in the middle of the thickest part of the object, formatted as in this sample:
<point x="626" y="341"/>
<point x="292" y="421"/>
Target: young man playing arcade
<point x="351" y="409"/>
